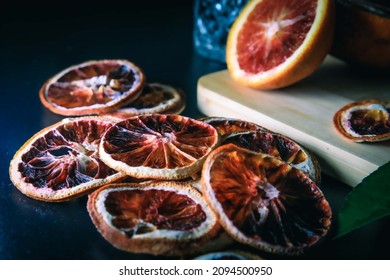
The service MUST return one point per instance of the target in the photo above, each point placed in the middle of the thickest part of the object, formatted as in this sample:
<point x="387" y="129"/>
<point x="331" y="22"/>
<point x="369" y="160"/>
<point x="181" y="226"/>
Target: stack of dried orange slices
<point x="108" y="87"/>
<point x="256" y="187"/>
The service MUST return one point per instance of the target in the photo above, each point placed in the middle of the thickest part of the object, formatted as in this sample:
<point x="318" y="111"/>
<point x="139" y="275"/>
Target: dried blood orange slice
<point x="228" y="255"/>
<point x="228" y="126"/>
<point x="259" y="139"/>
<point x="264" y="202"/>
<point x="92" y="87"/>
<point x="273" y="44"/>
<point x="364" y="121"/>
<point x="281" y="147"/>
<point x="158" y="146"/>
<point x="161" y="218"/>
<point x="61" y="162"/>
<point x="155" y="98"/>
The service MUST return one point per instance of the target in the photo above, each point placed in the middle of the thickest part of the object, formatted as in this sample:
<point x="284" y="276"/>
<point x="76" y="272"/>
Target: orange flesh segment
<point x="141" y="211"/>
<point x="367" y="122"/>
<point x="274" y="30"/>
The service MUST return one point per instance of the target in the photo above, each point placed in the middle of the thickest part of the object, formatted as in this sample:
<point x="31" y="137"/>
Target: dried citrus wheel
<point x="228" y="255"/>
<point x="264" y="202"/>
<point x="257" y="138"/>
<point x="281" y="147"/>
<point x="61" y="162"/>
<point x="228" y="126"/>
<point x="273" y="44"/>
<point x="155" y="98"/>
<point x="158" y="146"/>
<point x="364" y="121"/>
<point x="92" y="87"/>
<point x="161" y="218"/>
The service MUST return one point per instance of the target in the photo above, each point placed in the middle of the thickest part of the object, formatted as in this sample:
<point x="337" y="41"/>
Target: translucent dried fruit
<point x="364" y="121"/>
<point x="264" y="202"/>
<point x="259" y="139"/>
<point x="61" y="162"/>
<point x="281" y="147"/>
<point x="161" y="218"/>
<point x="155" y="98"/>
<point x="158" y="146"/>
<point x="228" y="126"/>
<point x="93" y="87"/>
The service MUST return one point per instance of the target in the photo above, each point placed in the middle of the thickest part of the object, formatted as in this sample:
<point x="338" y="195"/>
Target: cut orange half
<point x="264" y="202"/>
<point x="155" y="98"/>
<point x="364" y="121"/>
<point x="273" y="44"/>
<point x="92" y="87"/>
<point x="162" y="218"/>
<point x="158" y="146"/>
<point x="61" y="162"/>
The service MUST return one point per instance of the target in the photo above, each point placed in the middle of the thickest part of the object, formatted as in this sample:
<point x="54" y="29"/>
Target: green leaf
<point x="367" y="202"/>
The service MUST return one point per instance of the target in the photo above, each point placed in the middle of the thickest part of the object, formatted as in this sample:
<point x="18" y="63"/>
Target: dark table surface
<point x="38" y="42"/>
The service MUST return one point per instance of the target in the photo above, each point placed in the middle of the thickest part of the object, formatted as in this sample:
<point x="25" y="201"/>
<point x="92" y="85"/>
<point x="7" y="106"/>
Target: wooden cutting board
<point x="305" y="112"/>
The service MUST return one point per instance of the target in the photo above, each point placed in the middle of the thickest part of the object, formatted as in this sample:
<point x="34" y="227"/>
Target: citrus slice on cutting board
<point x="158" y="146"/>
<point x="273" y="44"/>
<point x="264" y="202"/>
<point x="364" y="121"/>
<point x="155" y="98"/>
<point x="160" y="218"/>
<point x="61" y="162"/>
<point x="92" y="87"/>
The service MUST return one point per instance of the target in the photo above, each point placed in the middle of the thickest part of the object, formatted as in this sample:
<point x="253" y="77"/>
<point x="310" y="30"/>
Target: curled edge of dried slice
<point x="148" y="237"/>
<point x="342" y="120"/>
<point x="130" y="95"/>
<point x="230" y="128"/>
<point x="48" y="194"/>
<point x="249" y="232"/>
<point x="170" y="100"/>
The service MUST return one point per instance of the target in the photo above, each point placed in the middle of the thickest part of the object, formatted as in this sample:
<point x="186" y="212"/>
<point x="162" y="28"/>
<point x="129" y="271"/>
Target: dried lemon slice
<point x="264" y="202"/>
<point x="364" y="121"/>
<point x="160" y="218"/>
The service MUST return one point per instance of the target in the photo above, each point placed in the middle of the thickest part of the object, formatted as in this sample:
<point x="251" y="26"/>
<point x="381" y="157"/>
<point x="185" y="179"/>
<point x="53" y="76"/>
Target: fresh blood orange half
<point x="93" y="87"/>
<point x="273" y="44"/>
<point x="61" y="162"/>
<point x="161" y="218"/>
<point x="228" y="126"/>
<point x="281" y="147"/>
<point x="264" y="202"/>
<point x="158" y="146"/>
<point x="155" y="98"/>
<point x="364" y="121"/>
